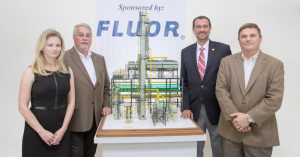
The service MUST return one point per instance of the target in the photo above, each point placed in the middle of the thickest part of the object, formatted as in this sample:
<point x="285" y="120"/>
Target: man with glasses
<point x="199" y="67"/>
<point x="91" y="92"/>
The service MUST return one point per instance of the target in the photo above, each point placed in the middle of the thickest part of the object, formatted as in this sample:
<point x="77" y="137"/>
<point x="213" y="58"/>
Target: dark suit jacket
<point x="89" y="99"/>
<point x="193" y="88"/>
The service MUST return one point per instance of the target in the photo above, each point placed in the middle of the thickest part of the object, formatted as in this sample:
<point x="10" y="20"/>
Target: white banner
<point x="117" y="24"/>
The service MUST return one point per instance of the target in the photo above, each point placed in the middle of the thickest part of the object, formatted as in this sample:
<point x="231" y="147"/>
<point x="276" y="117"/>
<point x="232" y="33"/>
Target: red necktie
<point x="201" y="63"/>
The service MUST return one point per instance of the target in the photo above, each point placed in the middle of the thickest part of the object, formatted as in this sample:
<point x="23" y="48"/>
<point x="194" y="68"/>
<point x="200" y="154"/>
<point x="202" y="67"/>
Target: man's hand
<point x="240" y="122"/>
<point x="247" y="129"/>
<point x="106" y="111"/>
<point x="187" y="114"/>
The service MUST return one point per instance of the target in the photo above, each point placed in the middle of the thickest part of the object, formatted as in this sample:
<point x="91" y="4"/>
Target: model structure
<point x="147" y="88"/>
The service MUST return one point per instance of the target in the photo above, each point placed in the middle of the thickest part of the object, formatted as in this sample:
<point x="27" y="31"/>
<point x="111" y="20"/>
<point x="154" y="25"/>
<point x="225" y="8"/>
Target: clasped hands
<point x="240" y="122"/>
<point x="50" y="138"/>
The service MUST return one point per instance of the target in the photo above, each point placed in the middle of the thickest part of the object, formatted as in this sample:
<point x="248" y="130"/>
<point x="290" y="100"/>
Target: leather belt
<point x="49" y="108"/>
<point x="201" y="101"/>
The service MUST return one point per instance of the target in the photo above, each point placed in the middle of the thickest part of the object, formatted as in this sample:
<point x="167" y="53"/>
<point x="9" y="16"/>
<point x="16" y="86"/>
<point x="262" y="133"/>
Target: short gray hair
<point x="81" y="24"/>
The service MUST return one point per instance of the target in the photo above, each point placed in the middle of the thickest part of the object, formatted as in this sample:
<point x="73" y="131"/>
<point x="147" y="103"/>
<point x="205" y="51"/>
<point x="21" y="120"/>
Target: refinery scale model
<point x="147" y="88"/>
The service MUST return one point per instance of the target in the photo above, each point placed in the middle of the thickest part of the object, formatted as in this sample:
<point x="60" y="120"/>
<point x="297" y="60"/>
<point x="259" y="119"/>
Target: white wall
<point x="22" y="21"/>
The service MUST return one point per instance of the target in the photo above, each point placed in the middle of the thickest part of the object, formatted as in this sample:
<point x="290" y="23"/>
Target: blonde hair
<point x="38" y="64"/>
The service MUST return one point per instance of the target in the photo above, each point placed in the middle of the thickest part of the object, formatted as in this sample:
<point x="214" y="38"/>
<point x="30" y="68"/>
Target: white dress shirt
<point x="89" y="65"/>
<point x="205" y="51"/>
<point x="248" y="67"/>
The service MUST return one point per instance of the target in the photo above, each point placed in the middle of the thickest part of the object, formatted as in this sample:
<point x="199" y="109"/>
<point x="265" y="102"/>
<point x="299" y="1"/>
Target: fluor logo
<point x="170" y="28"/>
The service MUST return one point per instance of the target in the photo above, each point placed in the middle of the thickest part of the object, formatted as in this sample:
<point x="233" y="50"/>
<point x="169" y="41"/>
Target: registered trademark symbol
<point x="182" y="37"/>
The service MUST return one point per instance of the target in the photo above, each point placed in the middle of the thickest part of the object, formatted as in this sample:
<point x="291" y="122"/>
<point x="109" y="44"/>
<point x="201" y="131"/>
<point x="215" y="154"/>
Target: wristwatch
<point x="250" y="120"/>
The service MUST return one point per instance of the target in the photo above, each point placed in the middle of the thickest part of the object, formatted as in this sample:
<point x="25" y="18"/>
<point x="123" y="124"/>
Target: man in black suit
<point x="199" y="67"/>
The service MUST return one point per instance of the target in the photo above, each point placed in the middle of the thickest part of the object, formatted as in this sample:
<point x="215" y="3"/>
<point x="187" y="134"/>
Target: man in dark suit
<point x="92" y="92"/>
<point x="199" y="67"/>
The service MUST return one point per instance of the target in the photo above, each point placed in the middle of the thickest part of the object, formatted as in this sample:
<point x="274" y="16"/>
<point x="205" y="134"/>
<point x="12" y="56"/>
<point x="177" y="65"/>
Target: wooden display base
<point x="102" y="133"/>
<point x="142" y="138"/>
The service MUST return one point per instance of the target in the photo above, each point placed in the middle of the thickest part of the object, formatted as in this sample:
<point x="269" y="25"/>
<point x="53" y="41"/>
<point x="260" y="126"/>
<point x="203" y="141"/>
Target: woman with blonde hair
<point x="49" y="85"/>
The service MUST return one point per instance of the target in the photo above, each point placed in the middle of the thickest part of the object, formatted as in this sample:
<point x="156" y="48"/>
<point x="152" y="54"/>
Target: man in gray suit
<point x="249" y="90"/>
<point x="92" y="92"/>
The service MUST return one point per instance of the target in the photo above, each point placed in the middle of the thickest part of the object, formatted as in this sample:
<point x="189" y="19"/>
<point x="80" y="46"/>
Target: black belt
<point x="49" y="108"/>
<point x="201" y="101"/>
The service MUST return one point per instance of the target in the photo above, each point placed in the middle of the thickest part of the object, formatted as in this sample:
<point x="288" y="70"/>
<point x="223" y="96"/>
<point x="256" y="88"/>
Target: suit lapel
<point x="194" y="60"/>
<point x="97" y="67"/>
<point x="239" y="68"/>
<point x="211" y="54"/>
<point x="77" y="60"/>
<point x="257" y="69"/>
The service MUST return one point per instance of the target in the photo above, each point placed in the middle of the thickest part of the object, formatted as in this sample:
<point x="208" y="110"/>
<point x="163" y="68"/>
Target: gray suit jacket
<point x="261" y="99"/>
<point x="89" y="99"/>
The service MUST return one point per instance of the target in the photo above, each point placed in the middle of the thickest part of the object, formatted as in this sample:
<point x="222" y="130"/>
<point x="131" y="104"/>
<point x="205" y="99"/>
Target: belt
<point x="49" y="108"/>
<point x="201" y="101"/>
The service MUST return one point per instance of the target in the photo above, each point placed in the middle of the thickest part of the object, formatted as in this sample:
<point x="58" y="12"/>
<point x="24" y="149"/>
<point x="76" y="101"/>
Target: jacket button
<point x="202" y="86"/>
<point x="92" y="102"/>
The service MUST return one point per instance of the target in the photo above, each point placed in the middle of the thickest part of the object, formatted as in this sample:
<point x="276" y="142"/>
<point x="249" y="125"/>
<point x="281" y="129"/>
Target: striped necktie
<point x="201" y="63"/>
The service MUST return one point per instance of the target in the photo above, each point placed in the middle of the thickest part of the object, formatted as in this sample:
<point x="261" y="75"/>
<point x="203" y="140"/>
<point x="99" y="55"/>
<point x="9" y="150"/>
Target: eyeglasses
<point x="204" y="26"/>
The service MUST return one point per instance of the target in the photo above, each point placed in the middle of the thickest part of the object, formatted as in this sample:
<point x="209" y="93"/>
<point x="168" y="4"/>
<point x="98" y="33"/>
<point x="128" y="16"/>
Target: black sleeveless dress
<point x="48" y="104"/>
